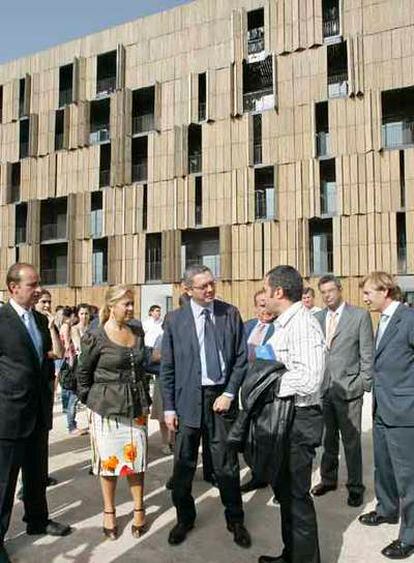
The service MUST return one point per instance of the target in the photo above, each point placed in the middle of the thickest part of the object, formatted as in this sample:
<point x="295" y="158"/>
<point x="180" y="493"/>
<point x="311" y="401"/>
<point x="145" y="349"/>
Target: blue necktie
<point x="211" y="349"/>
<point x="34" y="335"/>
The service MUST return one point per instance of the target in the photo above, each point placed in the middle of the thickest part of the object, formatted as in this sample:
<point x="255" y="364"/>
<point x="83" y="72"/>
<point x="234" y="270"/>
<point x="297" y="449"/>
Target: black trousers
<point x="225" y="461"/>
<point x="299" y="527"/>
<point x="342" y="417"/>
<point x="31" y="455"/>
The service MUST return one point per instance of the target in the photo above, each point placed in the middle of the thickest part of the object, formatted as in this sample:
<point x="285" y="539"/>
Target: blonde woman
<point x="112" y="383"/>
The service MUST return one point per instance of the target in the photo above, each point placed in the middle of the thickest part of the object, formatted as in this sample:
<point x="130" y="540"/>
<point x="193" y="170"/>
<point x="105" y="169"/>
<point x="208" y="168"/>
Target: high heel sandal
<point x="138" y="531"/>
<point x="110" y="533"/>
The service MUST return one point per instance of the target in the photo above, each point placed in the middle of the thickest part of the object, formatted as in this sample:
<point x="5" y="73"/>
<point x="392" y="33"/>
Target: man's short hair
<point x="154" y="308"/>
<point x="14" y="273"/>
<point x="383" y="281"/>
<point x="309" y="291"/>
<point x="193" y="271"/>
<point x="288" y="279"/>
<point x="329" y="278"/>
<point x="256" y="295"/>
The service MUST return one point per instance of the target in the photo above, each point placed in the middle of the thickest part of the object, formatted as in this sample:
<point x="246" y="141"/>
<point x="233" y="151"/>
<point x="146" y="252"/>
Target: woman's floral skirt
<point x="119" y="445"/>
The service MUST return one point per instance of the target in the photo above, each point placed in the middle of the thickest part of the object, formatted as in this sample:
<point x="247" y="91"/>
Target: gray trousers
<point x="342" y="418"/>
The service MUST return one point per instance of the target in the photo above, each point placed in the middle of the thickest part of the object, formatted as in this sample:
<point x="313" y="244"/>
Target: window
<point x="198" y="201"/>
<point x="100" y="261"/>
<point x="331" y="19"/>
<point x="402" y="179"/>
<point x="1" y="104"/>
<point x="201" y="247"/>
<point x="202" y="96"/>
<point x="139" y="159"/>
<point x="143" y="110"/>
<point x="105" y="165"/>
<point x="320" y="246"/>
<point x="96" y="214"/>
<point x="194" y="149"/>
<point x="264" y="193"/>
<point x="59" y="129"/>
<point x="14" y="194"/>
<point x="22" y="96"/>
<point x="21" y="223"/>
<point x="327" y="186"/>
<point x="398" y="117"/>
<point x="337" y="70"/>
<point x="99" y="121"/>
<point x="322" y="129"/>
<point x="401" y="243"/>
<point x="24" y="128"/>
<point x="255" y="32"/>
<point x="144" y="207"/>
<point x="258" y="92"/>
<point x="53" y="219"/>
<point x="65" y="85"/>
<point x="106" y="73"/>
<point x="257" y="139"/>
<point x="54" y="264"/>
<point x="153" y="257"/>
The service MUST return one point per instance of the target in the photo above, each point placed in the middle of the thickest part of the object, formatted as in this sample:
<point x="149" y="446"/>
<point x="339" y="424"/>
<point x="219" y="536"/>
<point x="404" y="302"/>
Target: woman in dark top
<point x="112" y="383"/>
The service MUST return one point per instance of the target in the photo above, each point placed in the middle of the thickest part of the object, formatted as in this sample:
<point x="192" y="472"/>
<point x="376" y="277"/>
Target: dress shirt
<point x="298" y="343"/>
<point x="152" y="329"/>
<point x="385" y="319"/>
<point x="338" y="312"/>
<point x="34" y="332"/>
<point x="260" y="329"/>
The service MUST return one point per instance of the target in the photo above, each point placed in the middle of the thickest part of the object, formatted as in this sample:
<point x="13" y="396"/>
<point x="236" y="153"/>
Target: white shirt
<point x="258" y="326"/>
<point x="298" y="343"/>
<point x="338" y="312"/>
<point x="152" y="329"/>
<point x="386" y="316"/>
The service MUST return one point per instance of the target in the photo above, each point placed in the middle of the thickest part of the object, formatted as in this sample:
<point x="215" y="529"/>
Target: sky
<point x="29" y="26"/>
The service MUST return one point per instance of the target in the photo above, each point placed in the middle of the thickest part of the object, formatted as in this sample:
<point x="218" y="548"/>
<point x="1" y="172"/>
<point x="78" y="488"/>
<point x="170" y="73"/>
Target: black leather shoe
<point x="374" y="519"/>
<point x="240" y="535"/>
<point x="321" y="489"/>
<point x="271" y="559"/>
<point x="398" y="550"/>
<point x="355" y="499"/>
<point x="252" y="485"/>
<point x="52" y="528"/>
<point x="51" y="482"/>
<point x="4" y="556"/>
<point x="178" y="534"/>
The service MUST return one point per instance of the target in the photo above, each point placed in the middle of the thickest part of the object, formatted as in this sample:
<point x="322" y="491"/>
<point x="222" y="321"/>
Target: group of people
<point x="202" y="355"/>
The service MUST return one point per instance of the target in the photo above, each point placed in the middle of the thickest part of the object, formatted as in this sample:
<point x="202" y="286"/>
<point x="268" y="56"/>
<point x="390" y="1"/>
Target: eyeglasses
<point x="205" y="286"/>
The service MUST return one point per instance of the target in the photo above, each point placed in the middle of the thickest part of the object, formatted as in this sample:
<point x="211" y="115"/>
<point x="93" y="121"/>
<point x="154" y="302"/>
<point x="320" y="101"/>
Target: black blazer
<point x="180" y="373"/>
<point x="26" y="384"/>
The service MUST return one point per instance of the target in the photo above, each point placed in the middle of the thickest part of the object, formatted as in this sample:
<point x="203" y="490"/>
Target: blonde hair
<point x="383" y="281"/>
<point x="112" y="296"/>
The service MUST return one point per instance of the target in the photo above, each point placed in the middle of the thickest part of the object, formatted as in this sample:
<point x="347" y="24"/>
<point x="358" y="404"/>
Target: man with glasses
<point x="203" y="363"/>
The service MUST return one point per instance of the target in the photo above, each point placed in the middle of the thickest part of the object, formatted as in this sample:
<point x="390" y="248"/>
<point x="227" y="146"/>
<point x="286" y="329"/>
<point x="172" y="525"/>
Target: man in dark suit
<point x="203" y="363"/>
<point x="258" y="331"/>
<point x="26" y="393"/>
<point x="349" y="341"/>
<point x="393" y="408"/>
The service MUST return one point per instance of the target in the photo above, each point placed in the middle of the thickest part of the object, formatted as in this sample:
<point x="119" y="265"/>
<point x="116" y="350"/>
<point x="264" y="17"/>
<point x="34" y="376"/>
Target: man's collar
<point x="285" y="317"/>
<point x="390" y="310"/>
<point x="337" y="311"/>
<point x="198" y="309"/>
<point x="18" y="308"/>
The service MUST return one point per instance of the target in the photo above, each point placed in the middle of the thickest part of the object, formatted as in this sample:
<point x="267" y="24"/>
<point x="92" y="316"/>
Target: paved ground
<point x="77" y="500"/>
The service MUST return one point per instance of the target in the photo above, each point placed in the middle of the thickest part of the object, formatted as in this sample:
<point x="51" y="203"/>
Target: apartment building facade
<point x="240" y="134"/>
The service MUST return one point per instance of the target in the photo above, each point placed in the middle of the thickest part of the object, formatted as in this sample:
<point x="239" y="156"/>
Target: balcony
<point x="24" y="150"/>
<point x="321" y="262"/>
<point x="198" y="215"/>
<point x="59" y="137"/>
<point x="104" y="178"/>
<point x="54" y="276"/>
<point x="402" y="259"/>
<point x="261" y="100"/>
<point x="22" y="112"/>
<point x="202" y="111"/>
<point x="398" y="133"/>
<point x="257" y="154"/>
<point x="143" y="123"/>
<point x="264" y="203"/>
<point x="338" y="85"/>
<point x="96" y="223"/>
<point x="323" y="147"/>
<point x="255" y="41"/>
<point x="194" y="162"/>
<point x="99" y="274"/>
<point x="105" y="86"/>
<point x="101" y="135"/>
<point x="20" y="235"/>
<point x="328" y="198"/>
<point x="140" y="171"/>
<point x="65" y="97"/>
<point x="153" y="271"/>
<point x="331" y="26"/>
<point x="212" y="261"/>
<point x="53" y="231"/>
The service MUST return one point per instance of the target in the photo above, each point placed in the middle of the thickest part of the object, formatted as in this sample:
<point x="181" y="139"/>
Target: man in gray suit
<point x="349" y="340"/>
<point x="393" y="429"/>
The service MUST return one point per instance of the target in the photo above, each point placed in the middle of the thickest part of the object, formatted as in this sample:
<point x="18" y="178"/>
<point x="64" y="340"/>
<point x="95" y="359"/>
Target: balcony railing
<point x="402" y="258"/>
<point x="331" y="26"/>
<point x="199" y="215"/>
<point x="58" y="141"/>
<point x="261" y="100"/>
<point x="105" y="85"/>
<point x="212" y="261"/>
<point x="104" y="178"/>
<point x="24" y="149"/>
<point x="321" y="262"/>
<point x="53" y="231"/>
<point x="338" y="85"/>
<point x="398" y="133"/>
<point x="22" y="112"/>
<point x="54" y="276"/>
<point x="99" y="273"/>
<point x="65" y="97"/>
<point x="255" y="41"/>
<point x="328" y="198"/>
<point x="96" y="223"/>
<point x="202" y="111"/>
<point x="143" y="123"/>
<point x="153" y="271"/>
<point x="194" y="162"/>
<point x="20" y="235"/>
<point x="323" y="147"/>
<point x="99" y="135"/>
<point x="264" y="203"/>
<point x="257" y="154"/>
<point x="140" y="172"/>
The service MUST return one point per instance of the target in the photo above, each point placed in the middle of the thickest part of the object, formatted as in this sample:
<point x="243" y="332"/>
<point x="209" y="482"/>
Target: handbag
<point x="67" y="375"/>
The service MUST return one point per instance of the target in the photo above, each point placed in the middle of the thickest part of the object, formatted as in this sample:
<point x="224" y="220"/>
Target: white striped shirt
<point x="298" y="342"/>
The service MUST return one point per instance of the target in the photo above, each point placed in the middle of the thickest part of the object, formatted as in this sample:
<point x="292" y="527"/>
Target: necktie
<point x="332" y="322"/>
<point x="211" y="348"/>
<point x="34" y="335"/>
<point x="381" y="329"/>
<point x="258" y="335"/>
